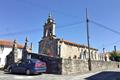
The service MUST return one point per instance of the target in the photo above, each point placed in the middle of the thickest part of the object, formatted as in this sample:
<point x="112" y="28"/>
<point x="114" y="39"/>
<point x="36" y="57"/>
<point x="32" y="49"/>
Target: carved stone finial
<point x="49" y="16"/>
<point x="14" y="41"/>
<point x="26" y="40"/>
<point x="31" y="46"/>
<point x="14" y="45"/>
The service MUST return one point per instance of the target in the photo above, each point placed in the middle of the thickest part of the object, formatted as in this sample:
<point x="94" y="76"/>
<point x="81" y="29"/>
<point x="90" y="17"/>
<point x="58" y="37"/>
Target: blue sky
<point x="27" y="17"/>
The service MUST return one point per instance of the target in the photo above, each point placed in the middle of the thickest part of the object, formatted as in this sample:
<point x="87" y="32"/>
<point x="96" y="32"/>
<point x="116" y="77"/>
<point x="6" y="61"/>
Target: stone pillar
<point x="24" y="51"/>
<point x="12" y="56"/>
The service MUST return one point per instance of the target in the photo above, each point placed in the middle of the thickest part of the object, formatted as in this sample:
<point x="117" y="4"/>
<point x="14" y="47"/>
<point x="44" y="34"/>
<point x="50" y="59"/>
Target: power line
<point x="109" y="44"/>
<point x="105" y="27"/>
<point x="38" y="29"/>
<point x="19" y="32"/>
<point x="44" y="7"/>
<point x="69" y="25"/>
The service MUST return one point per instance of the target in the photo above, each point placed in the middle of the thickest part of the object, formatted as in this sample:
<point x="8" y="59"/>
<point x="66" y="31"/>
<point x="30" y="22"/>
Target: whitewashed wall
<point x="70" y="51"/>
<point x="5" y="52"/>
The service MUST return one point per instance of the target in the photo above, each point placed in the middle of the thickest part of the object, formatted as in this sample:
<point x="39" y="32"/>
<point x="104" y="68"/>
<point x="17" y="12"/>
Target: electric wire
<point x="105" y="27"/>
<point x="39" y="29"/>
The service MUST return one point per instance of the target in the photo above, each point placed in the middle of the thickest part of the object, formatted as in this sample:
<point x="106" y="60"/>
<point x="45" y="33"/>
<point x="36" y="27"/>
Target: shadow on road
<point x="22" y="74"/>
<point x="106" y="75"/>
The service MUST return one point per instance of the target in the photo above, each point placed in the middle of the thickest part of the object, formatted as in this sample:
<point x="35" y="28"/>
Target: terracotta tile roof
<point x="8" y="43"/>
<point x="75" y="44"/>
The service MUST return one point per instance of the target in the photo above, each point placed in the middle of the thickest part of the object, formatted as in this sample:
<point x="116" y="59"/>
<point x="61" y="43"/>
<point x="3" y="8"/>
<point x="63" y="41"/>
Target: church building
<point x="56" y="47"/>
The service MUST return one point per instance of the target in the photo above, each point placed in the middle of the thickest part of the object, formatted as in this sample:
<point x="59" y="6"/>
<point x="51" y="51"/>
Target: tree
<point x="114" y="56"/>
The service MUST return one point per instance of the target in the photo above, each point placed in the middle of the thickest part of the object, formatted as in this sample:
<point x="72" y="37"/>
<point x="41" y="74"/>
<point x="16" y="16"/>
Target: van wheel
<point x="28" y="72"/>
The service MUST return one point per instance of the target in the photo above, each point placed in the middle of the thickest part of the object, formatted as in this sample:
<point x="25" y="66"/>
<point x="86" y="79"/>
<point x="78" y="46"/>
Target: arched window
<point x="92" y="55"/>
<point x="84" y="54"/>
<point x="95" y="55"/>
<point x="1" y="48"/>
<point x="81" y="54"/>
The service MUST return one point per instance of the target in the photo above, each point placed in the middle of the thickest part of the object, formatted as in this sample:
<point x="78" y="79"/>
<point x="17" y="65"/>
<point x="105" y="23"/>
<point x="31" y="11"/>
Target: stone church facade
<point x="56" y="47"/>
<point x="61" y="56"/>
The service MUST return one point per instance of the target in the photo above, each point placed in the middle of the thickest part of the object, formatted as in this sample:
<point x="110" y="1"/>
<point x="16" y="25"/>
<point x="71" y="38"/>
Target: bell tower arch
<point x="49" y="28"/>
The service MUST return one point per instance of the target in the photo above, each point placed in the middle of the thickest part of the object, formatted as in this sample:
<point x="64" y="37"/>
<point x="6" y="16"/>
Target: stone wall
<point x="70" y="66"/>
<point x="48" y="46"/>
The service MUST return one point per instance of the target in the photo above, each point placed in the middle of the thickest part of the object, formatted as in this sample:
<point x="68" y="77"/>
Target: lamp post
<point x="88" y="43"/>
<point x="114" y="49"/>
<point x="103" y="50"/>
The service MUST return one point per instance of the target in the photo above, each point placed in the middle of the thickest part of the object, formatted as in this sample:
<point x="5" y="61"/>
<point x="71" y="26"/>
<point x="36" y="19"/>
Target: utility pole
<point x="87" y="25"/>
<point x="103" y="54"/>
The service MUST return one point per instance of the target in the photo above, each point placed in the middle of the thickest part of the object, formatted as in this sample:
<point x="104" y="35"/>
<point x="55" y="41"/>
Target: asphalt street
<point x="101" y="75"/>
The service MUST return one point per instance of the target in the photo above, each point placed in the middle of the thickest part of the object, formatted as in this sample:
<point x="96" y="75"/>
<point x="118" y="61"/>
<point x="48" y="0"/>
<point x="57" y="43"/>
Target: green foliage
<point x="115" y="56"/>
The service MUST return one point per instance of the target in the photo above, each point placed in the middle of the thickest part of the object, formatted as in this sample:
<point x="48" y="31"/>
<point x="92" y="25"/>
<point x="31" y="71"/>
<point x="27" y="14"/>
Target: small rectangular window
<point x="1" y="48"/>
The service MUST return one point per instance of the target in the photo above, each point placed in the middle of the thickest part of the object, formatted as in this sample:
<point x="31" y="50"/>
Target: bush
<point x="114" y="56"/>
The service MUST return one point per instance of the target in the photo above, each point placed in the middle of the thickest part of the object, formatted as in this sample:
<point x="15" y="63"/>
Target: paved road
<point x="104" y="75"/>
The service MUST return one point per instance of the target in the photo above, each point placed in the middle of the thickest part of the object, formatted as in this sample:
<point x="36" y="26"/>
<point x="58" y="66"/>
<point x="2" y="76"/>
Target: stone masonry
<point x="70" y="66"/>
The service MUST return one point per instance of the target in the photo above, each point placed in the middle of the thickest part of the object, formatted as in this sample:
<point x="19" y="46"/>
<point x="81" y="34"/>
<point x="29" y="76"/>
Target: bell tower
<point x="49" y="28"/>
<point x="49" y="42"/>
